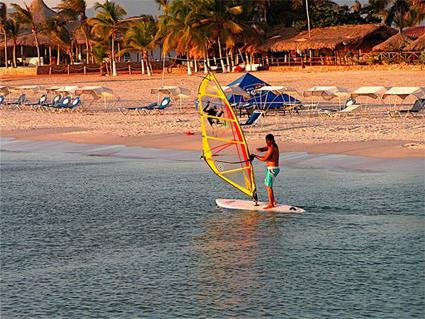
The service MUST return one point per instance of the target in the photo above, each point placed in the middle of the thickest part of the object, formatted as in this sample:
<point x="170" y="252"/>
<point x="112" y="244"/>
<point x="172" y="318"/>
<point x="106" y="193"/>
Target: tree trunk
<point x="59" y="56"/>
<point x="232" y="61"/>
<point x="87" y="47"/>
<point x="5" y="47"/>
<point x="220" y="54"/>
<point x="195" y="64"/>
<point x="189" y="68"/>
<point x="206" y="63"/>
<point x="148" y="64"/>
<point x="241" y="55"/>
<point x="228" y="61"/>
<point x="114" y="67"/>
<point x="142" y="62"/>
<point x="34" y="31"/>
<point x="14" y="53"/>
<point x="71" y="56"/>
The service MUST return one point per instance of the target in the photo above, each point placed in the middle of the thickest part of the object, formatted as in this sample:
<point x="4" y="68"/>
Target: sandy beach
<point x="370" y="132"/>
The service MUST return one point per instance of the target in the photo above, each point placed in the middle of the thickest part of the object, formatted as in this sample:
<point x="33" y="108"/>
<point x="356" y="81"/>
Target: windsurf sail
<point x="223" y="142"/>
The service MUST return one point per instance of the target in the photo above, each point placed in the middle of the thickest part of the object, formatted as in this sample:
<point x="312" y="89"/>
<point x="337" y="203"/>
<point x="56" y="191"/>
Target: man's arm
<point x="262" y="149"/>
<point x="266" y="156"/>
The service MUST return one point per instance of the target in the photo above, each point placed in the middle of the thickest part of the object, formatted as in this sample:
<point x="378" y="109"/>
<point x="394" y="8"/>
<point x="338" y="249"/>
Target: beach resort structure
<point x="278" y="46"/>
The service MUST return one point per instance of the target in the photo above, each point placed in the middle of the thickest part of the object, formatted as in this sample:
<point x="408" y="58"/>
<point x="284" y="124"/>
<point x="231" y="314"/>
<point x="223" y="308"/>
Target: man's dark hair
<point x="270" y="137"/>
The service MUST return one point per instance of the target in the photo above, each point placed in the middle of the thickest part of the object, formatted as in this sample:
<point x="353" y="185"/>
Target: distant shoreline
<point x="183" y="142"/>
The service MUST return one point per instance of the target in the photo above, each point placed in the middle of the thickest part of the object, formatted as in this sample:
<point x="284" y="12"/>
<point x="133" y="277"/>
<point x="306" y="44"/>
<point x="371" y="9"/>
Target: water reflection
<point x="229" y="267"/>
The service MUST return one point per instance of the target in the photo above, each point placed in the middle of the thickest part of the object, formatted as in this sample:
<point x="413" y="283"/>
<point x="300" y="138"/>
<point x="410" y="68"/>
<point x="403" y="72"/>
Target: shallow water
<point x="91" y="237"/>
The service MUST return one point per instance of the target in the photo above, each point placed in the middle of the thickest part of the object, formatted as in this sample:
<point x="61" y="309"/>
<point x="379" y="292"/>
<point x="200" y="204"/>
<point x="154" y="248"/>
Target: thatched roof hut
<point x="27" y="39"/>
<point x="417" y="45"/>
<point x="40" y="11"/>
<point x="396" y="43"/>
<point x="400" y="41"/>
<point x="362" y="36"/>
<point x="415" y="32"/>
<point x="276" y="34"/>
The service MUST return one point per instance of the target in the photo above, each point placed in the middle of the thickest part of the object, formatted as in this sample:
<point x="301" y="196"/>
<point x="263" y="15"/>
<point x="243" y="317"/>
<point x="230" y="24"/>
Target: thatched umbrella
<point x="332" y="38"/>
<point x="417" y="45"/>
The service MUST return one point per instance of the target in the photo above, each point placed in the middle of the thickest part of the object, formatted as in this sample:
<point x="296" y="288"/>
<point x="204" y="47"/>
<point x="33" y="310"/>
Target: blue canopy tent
<point x="248" y="82"/>
<point x="271" y="98"/>
<point x="268" y="99"/>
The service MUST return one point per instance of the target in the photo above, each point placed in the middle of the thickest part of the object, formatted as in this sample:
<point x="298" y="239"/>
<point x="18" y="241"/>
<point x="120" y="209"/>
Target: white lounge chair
<point x="350" y="106"/>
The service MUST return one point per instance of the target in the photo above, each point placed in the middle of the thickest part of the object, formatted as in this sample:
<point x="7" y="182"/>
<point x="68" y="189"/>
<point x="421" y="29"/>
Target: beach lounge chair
<point x="39" y="104"/>
<point x="417" y="107"/>
<point x="291" y="108"/>
<point x="2" y="98"/>
<point x="146" y="108"/>
<point x="62" y="104"/>
<point x="253" y="118"/>
<point x="244" y="108"/>
<point x="72" y="105"/>
<point x="166" y="101"/>
<point x="55" y="101"/>
<point x="349" y="107"/>
<point x="19" y="102"/>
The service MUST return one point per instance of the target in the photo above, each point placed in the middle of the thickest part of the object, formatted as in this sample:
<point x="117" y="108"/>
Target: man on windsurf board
<point x="272" y="167"/>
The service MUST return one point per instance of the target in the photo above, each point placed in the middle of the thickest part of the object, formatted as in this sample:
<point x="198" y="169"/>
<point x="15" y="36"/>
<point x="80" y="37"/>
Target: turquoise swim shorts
<point x="271" y="173"/>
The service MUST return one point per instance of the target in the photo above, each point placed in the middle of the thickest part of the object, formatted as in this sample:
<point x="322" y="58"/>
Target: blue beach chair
<point x="253" y="119"/>
<point x="2" y="98"/>
<point x="146" y="108"/>
<point x="76" y="102"/>
<point x="62" y="104"/>
<point x="166" y="101"/>
<point x="50" y="106"/>
<point x="40" y="103"/>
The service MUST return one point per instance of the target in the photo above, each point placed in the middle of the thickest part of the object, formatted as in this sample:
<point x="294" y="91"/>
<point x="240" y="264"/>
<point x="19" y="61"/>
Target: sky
<point x="134" y="7"/>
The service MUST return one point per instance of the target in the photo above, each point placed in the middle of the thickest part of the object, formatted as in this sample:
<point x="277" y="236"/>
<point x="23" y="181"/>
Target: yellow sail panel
<point x="223" y="142"/>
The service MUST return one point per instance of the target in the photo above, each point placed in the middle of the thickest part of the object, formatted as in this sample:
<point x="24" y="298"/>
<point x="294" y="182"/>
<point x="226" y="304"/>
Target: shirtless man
<point x="272" y="170"/>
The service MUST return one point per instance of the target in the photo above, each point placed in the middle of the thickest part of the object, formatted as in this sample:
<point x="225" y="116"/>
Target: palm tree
<point x="12" y="29"/>
<point x="75" y="10"/>
<point x="57" y="31"/>
<point x="141" y="36"/>
<point x="183" y="29"/>
<point x="3" y="28"/>
<point x="402" y="13"/>
<point x="108" y="21"/>
<point x="24" y="16"/>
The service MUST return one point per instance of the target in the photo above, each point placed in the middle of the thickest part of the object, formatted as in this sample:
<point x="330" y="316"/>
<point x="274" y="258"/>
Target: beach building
<point x="50" y="52"/>
<point x="328" y="45"/>
<point x="401" y="41"/>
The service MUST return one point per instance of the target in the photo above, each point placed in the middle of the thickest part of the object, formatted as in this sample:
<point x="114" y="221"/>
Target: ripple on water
<point x="99" y="237"/>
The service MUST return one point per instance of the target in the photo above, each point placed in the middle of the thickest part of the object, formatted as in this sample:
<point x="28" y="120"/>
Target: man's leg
<point x="271" y="197"/>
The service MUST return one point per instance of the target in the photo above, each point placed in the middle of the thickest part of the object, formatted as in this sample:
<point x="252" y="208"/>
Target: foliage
<point x="422" y="57"/>
<point x="100" y="52"/>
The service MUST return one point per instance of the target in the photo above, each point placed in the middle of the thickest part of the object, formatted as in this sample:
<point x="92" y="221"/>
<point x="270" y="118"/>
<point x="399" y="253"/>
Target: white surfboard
<point x="250" y="205"/>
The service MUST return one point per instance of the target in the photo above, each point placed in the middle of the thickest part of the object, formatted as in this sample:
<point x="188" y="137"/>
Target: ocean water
<point x="136" y="237"/>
